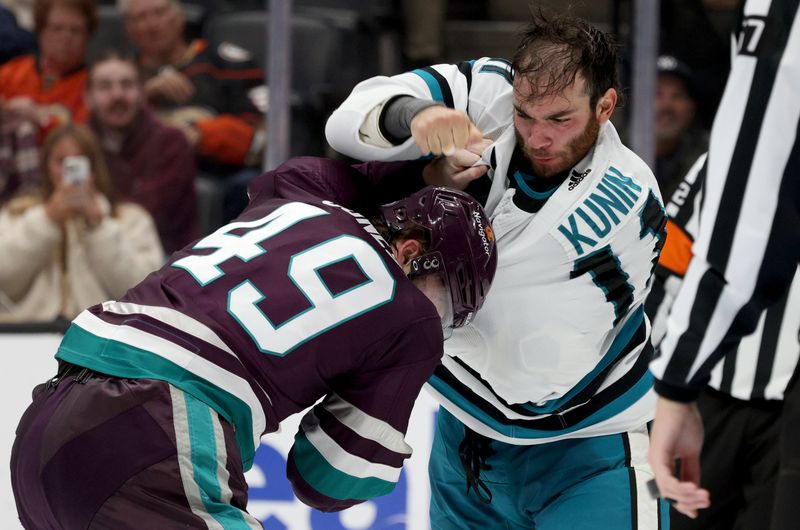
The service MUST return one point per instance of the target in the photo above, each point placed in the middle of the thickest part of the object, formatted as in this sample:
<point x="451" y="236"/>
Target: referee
<point x="741" y="405"/>
<point x="746" y="253"/>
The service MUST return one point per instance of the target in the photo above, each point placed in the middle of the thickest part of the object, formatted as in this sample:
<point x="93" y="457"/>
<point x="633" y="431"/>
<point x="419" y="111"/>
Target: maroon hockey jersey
<point x="295" y="301"/>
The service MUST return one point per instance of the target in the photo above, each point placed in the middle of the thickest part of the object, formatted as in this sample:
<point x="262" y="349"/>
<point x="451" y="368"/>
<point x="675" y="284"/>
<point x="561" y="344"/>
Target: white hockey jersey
<point x="560" y="348"/>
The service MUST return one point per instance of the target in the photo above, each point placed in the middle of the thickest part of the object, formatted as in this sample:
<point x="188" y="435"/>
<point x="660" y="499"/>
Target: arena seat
<point x="110" y="34"/>
<point x="315" y="57"/>
<point x="315" y="44"/>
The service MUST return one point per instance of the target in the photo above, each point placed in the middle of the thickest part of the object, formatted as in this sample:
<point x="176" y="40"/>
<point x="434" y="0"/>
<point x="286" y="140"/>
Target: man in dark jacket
<point x="151" y="164"/>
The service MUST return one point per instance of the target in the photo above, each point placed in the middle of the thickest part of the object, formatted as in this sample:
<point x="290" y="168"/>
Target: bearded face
<point x="555" y="131"/>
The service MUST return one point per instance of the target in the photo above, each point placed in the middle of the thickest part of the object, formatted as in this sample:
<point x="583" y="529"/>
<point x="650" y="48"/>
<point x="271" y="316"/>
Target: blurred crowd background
<point x="130" y="128"/>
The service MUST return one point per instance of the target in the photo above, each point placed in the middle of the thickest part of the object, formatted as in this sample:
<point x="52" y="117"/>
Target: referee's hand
<point x="678" y="435"/>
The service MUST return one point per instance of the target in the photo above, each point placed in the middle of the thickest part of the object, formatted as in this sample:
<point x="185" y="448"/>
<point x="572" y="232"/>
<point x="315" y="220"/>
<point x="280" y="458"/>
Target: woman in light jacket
<point x="73" y="245"/>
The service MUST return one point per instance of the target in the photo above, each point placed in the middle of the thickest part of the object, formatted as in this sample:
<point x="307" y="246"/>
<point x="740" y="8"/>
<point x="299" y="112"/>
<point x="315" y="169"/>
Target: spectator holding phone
<point x="73" y="245"/>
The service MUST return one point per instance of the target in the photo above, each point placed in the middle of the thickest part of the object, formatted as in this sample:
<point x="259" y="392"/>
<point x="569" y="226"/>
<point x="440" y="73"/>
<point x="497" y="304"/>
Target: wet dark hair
<point x="554" y="48"/>
<point x="112" y="54"/>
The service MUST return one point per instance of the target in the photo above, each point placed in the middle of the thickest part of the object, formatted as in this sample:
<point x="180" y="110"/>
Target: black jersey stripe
<point x="626" y="447"/>
<point x="775" y="274"/>
<point x="581" y="397"/>
<point x="607" y="273"/>
<point x="728" y="371"/>
<point x="558" y="421"/>
<point x="687" y="211"/>
<point x="658" y="291"/>
<point x="465" y="67"/>
<point x="447" y="93"/>
<point x="768" y="347"/>
<point x="741" y="163"/>
<point x="711" y="285"/>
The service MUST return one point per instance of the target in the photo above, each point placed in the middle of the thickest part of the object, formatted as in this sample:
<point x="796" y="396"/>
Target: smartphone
<point x="76" y="170"/>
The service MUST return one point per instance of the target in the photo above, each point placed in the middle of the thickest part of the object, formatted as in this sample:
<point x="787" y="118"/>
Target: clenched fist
<point x="441" y="130"/>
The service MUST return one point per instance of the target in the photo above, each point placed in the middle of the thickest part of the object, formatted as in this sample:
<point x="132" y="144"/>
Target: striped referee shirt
<point x="760" y="366"/>
<point x="748" y="243"/>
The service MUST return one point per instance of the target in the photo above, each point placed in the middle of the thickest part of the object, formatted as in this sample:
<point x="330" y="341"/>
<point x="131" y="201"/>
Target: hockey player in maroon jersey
<point x="162" y="397"/>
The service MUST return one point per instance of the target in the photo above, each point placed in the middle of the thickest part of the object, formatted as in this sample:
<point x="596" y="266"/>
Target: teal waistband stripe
<point x="118" y="359"/>
<point x="628" y="398"/>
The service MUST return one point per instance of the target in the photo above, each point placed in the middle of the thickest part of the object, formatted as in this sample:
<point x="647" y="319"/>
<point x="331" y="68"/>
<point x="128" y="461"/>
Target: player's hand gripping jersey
<point x="297" y="300"/>
<point x="562" y="345"/>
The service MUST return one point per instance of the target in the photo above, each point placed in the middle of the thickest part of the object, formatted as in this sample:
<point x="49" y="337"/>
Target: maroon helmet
<point x="462" y="245"/>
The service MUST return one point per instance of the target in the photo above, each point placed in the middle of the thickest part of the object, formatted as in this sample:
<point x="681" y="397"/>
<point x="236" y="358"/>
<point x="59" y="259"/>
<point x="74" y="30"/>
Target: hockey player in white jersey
<point x="546" y="395"/>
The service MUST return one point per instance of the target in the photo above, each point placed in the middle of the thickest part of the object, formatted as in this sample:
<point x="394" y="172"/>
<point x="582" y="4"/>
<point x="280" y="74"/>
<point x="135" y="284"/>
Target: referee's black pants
<point x="739" y="463"/>
<point x="787" y="492"/>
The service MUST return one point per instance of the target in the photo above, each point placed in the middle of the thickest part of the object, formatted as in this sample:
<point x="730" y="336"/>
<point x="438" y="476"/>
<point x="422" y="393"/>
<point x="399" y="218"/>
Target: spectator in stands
<point x="14" y="40"/>
<point x="47" y="88"/>
<point x="208" y="91"/>
<point x="151" y="164"/>
<point x="19" y="158"/>
<point x="698" y="32"/>
<point x="72" y="246"/>
<point x="679" y="140"/>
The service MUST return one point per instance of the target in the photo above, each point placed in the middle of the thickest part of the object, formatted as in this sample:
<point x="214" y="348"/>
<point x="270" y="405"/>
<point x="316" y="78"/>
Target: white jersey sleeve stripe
<point x="366" y="426"/>
<point x="339" y="458"/>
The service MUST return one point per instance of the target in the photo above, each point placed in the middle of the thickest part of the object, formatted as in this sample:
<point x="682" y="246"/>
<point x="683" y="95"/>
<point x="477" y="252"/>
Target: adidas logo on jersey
<point x="575" y="178"/>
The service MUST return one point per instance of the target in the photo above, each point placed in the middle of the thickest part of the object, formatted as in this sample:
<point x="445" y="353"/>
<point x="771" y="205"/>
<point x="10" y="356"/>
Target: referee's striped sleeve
<point x="749" y="238"/>
<point x="682" y="212"/>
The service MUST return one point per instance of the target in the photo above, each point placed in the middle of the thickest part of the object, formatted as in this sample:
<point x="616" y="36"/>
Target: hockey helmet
<point x="462" y="245"/>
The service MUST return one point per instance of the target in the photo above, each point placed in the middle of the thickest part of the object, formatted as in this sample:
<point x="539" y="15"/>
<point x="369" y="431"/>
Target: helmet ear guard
<point x="427" y="263"/>
<point x="461" y="245"/>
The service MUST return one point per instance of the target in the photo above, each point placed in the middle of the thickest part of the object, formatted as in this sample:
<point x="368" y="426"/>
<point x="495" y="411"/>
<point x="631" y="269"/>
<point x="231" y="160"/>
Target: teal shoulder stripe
<point x="122" y="360"/>
<point x="205" y="460"/>
<point x="433" y="84"/>
<point x="331" y="482"/>
<point x="631" y="396"/>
